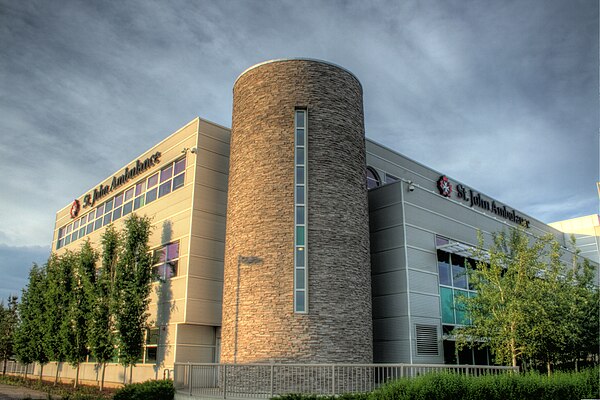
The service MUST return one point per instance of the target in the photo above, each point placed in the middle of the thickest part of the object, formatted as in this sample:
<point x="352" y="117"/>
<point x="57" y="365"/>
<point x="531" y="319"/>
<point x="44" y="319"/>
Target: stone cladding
<point x="258" y="304"/>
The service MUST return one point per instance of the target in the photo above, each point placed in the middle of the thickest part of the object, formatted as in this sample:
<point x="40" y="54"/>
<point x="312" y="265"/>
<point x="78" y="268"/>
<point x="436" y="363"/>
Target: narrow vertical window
<point x="300" y="214"/>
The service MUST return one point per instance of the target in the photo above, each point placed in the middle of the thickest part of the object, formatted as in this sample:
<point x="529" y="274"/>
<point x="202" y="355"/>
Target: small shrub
<point x="149" y="390"/>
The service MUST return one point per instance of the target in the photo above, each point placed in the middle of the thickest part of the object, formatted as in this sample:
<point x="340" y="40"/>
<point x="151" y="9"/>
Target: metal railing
<point x="15" y="367"/>
<point x="268" y="380"/>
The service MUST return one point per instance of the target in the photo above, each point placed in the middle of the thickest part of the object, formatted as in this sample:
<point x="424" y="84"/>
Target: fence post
<point x="333" y="380"/>
<point x="190" y="378"/>
<point x="224" y="381"/>
<point x="272" y="371"/>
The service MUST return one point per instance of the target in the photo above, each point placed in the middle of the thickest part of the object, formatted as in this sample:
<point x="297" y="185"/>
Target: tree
<point x="58" y="275"/>
<point x="133" y="282"/>
<point x="79" y="308"/>
<point x="101" y="336"/>
<point x="29" y="336"/>
<point x="524" y="293"/>
<point x="8" y="325"/>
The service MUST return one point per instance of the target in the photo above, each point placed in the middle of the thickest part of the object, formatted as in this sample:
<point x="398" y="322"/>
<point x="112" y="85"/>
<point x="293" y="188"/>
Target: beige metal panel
<point x="205" y="289"/>
<point x="209" y="225"/>
<point x="207" y="247"/>
<point x="214" y="130"/>
<point x="203" y="312"/>
<point x="207" y="268"/>
<point x="172" y="312"/>
<point x="207" y="177"/>
<point x="169" y="290"/>
<point x="212" y="160"/>
<point x="207" y="142"/>
<point x="195" y="334"/>
<point x="211" y="200"/>
<point x="195" y="354"/>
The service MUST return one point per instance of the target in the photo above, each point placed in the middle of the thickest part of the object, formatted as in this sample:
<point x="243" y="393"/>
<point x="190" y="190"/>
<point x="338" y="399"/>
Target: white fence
<point x="268" y="380"/>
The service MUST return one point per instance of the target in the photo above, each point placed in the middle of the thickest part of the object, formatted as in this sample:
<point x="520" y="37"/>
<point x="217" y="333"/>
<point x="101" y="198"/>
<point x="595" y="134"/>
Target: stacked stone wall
<point x="258" y="312"/>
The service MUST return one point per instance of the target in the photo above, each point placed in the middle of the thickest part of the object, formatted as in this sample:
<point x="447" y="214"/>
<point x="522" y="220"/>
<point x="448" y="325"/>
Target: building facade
<point x="270" y="247"/>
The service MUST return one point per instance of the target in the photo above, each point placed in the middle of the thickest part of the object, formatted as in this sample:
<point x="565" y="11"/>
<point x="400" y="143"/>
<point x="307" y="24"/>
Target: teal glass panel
<point x="299" y="236"/>
<point x="461" y="314"/>
<point x="447" y="299"/>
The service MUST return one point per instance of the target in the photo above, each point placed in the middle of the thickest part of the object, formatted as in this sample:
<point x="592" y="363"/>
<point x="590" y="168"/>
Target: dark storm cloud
<point x="499" y="95"/>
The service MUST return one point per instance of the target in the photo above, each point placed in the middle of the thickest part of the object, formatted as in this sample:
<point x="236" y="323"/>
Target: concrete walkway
<point x="8" y="392"/>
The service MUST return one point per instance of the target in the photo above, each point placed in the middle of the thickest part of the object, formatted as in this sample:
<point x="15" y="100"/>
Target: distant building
<point x="291" y="237"/>
<point x="586" y="231"/>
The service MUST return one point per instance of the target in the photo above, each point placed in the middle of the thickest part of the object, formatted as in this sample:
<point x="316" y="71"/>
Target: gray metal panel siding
<point x="422" y="282"/>
<point x="389" y="283"/>
<point x="422" y="260"/>
<point x="394" y="328"/>
<point x="393" y="305"/>
<point x="422" y="305"/>
<point x="386" y="261"/>
<point x="391" y="352"/>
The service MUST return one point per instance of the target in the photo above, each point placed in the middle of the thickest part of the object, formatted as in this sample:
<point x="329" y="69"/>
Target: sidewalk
<point x="8" y="392"/>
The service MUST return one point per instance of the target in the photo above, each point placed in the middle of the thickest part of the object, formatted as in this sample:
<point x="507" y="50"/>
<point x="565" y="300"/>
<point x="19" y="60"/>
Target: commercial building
<point x="271" y="248"/>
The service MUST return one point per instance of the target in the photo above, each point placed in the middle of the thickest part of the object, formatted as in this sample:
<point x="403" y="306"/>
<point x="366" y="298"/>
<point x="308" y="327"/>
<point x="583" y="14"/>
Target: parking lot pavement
<point x="8" y="392"/>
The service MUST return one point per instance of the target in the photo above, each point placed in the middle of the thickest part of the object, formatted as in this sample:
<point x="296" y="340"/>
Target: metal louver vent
<point x="427" y="343"/>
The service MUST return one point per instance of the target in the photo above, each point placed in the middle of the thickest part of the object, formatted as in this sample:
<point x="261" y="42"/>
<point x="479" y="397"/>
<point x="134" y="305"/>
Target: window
<point x="143" y="192"/>
<point x="300" y="214"/>
<point x="151" y="353"/>
<point x="454" y="286"/>
<point x="167" y="261"/>
<point x="372" y="178"/>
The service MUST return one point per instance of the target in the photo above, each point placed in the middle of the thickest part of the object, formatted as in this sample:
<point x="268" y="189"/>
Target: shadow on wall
<point x="165" y="306"/>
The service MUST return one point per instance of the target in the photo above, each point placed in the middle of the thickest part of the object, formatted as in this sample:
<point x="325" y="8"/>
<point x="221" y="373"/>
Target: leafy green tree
<point x="101" y="332"/>
<point x="29" y="336"/>
<point x="79" y="306"/>
<point x="529" y="304"/>
<point x="8" y="325"/>
<point x="58" y="275"/>
<point x="133" y="282"/>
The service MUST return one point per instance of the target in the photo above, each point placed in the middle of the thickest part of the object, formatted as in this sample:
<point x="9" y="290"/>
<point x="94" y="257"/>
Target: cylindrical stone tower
<point x="297" y="284"/>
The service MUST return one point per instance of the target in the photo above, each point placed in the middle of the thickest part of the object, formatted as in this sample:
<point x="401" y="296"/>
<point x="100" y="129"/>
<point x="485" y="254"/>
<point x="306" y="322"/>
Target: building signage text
<point x="475" y="199"/>
<point x="119" y="180"/>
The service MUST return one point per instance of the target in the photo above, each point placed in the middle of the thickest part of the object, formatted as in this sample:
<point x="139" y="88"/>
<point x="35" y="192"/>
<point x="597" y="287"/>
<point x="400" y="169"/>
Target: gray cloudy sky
<point x="502" y="95"/>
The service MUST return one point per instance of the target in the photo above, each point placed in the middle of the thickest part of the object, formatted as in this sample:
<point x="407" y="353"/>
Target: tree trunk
<point x="41" y="371"/>
<point x="548" y="367"/>
<point x="26" y="365"/>
<point x="76" y="377"/>
<point x="4" y="368"/>
<point x="102" y="378"/>
<point x="56" y="375"/>
<point x="130" y="373"/>
<point x="576" y="365"/>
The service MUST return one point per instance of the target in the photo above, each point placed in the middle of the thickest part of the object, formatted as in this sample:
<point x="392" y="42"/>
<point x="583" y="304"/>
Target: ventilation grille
<point x="427" y="343"/>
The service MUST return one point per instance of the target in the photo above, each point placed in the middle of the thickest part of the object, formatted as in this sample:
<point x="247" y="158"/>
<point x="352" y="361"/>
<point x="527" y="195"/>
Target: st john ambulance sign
<point x="476" y="200"/>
